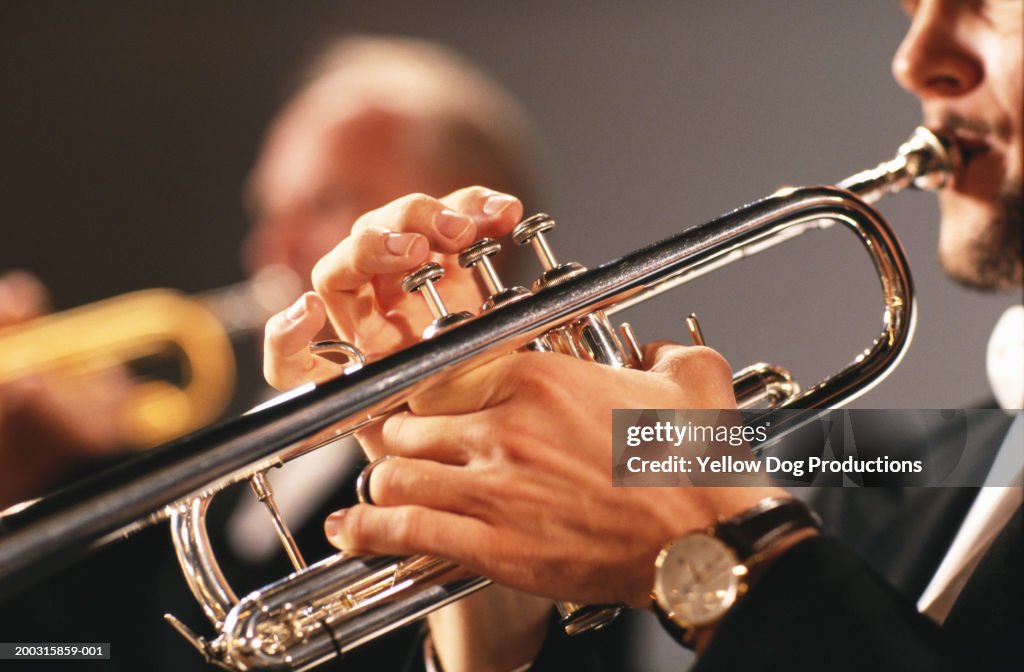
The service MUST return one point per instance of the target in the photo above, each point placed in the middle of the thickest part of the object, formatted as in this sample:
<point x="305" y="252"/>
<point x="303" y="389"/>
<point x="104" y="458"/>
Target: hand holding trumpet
<point x="358" y="282"/>
<point x="358" y="287"/>
<point x="505" y="469"/>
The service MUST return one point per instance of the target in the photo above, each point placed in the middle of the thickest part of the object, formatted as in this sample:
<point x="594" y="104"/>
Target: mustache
<point x="956" y="122"/>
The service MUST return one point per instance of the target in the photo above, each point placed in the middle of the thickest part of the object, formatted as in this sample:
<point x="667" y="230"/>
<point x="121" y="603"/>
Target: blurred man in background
<point x="374" y="120"/>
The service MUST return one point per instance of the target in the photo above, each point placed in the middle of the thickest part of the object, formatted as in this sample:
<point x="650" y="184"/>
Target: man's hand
<point x="358" y="283"/>
<point x="358" y="288"/>
<point x="507" y="471"/>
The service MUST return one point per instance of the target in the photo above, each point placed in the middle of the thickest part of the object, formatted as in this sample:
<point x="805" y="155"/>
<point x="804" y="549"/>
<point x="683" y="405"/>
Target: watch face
<point x="697" y="579"/>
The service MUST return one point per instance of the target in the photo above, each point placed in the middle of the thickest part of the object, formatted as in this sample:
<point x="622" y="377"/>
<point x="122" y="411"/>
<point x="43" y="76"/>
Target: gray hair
<point x="465" y="117"/>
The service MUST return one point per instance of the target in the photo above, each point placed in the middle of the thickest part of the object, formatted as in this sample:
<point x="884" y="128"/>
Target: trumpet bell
<point x="143" y="325"/>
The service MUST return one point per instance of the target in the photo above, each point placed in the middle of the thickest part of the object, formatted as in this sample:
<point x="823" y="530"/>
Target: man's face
<point x="962" y="59"/>
<point x="319" y="171"/>
<point x="325" y="164"/>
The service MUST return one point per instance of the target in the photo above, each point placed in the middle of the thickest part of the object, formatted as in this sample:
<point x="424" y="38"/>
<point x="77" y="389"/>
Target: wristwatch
<point x="699" y="576"/>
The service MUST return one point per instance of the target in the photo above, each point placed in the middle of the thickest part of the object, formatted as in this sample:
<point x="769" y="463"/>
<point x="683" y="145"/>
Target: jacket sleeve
<point x="819" y="607"/>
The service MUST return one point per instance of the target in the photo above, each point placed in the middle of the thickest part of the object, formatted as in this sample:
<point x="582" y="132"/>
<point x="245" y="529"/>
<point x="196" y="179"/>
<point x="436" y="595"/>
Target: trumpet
<point x="189" y="336"/>
<point x="334" y="605"/>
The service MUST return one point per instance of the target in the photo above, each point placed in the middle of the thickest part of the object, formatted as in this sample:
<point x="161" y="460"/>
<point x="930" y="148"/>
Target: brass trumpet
<point x="191" y="333"/>
<point x="343" y="601"/>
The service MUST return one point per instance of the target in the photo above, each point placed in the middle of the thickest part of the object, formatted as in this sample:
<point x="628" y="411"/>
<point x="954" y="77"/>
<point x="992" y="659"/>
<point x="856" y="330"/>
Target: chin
<point x="980" y="243"/>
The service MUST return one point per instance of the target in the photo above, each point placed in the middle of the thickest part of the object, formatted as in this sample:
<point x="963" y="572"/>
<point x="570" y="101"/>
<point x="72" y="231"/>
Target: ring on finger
<point x="363" y="481"/>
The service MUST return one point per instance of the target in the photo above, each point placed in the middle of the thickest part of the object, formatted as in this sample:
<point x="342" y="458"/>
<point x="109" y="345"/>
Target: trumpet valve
<point x="478" y="256"/>
<point x="422" y="280"/>
<point x="531" y="231"/>
<point x="632" y="346"/>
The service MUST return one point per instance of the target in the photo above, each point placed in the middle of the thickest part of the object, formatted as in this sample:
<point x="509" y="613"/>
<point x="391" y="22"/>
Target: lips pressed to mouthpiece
<point x="971" y="145"/>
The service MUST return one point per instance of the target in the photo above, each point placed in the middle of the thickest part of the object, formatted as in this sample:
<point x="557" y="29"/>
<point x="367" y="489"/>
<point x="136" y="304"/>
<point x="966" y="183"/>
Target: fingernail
<point x="297" y="309"/>
<point x="400" y="244"/>
<point x="496" y="204"/>
<point x="451" y="224"/>
<point x="332" y="526"/>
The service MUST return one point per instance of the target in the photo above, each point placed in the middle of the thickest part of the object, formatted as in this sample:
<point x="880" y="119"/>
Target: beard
<point x="991" y="257"/>
<point x="994" y="258"/>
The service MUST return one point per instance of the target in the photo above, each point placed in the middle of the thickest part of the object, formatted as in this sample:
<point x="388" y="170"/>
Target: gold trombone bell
<point x="152" y="323"/>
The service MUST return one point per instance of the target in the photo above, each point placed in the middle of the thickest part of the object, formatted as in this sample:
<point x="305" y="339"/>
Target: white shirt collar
<point x="1005" y="359"/>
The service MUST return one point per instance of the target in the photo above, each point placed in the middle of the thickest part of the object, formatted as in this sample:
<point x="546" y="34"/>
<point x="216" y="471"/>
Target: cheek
<point x="1015" y="158"/>
<point x="960" y="216"/>
<point x="965" y="230"/>
<point x="323" y="237"/>
<point x="310" y="243"/>
<point x="1015" y="104"/>
<point x="1006" y="79"/>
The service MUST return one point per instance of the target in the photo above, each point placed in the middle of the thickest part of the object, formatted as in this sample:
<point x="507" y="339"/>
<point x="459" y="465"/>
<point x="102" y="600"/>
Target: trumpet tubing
<point x="341" y="602"/>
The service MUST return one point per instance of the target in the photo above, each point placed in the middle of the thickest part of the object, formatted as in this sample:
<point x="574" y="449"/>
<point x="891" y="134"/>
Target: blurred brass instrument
<point x="188" y="336"/>
<point x="334" y="605"/>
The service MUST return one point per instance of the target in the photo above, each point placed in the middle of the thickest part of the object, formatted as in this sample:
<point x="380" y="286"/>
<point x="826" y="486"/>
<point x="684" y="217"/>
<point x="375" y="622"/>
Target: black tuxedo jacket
<point x="904" y="532"/>
<point x="820" y="608"/>
<point x="826" y="607"/>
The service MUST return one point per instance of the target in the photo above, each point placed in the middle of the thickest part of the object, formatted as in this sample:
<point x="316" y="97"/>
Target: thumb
<point x="287" y="360"/>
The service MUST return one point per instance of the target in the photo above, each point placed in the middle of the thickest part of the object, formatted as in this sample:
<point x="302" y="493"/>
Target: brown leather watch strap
<point x="757" y="528"/>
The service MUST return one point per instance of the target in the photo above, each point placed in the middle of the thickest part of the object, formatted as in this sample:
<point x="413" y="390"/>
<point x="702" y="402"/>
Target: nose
<point x="934" y="61"/>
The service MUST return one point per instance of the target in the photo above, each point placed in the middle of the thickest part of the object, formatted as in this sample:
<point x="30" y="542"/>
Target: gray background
<point x="127" y="129"/>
